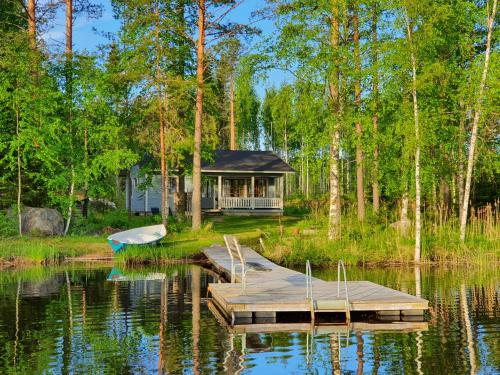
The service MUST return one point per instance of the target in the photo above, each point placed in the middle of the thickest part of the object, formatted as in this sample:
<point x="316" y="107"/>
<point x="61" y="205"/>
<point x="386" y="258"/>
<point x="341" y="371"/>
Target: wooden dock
<point x="270" y="326"/>
<point x="272" y="290"/>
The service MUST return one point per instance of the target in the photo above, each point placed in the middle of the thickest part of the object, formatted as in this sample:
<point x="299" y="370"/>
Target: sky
<point x="88" y="34"/>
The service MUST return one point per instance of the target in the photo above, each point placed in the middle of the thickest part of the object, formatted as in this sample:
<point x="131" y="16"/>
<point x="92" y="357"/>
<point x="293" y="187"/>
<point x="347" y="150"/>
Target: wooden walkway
<point x="272" y="289"/>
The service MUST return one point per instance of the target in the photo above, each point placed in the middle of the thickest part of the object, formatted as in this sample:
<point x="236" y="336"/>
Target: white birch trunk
<point x="287" y="187"/>
<point x="334" y="211"/>
<point x="71" y="198"/>
<point x="475" y="124"/>
<point x="418" y="224"/>
<point x="19" y="179"/>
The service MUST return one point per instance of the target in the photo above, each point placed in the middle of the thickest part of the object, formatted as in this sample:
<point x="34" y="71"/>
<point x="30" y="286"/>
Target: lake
<point x="71" y="319"/>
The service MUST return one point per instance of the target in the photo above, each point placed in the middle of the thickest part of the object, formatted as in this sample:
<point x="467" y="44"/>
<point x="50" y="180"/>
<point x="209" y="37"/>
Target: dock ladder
<point x="338" y="304"/>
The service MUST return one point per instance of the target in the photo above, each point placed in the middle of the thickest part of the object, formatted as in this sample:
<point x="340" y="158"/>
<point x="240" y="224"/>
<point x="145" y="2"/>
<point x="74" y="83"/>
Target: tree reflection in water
<point x="55" y="320"/>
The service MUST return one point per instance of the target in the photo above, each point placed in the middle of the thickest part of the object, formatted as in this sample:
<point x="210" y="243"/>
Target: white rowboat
<point x="138" y="236"/>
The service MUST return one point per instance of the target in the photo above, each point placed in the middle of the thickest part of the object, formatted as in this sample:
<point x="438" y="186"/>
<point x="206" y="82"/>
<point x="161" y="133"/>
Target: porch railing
<point x="250" y="203"/>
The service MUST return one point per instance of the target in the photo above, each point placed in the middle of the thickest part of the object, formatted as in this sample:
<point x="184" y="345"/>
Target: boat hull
<point x="150" y="235"/>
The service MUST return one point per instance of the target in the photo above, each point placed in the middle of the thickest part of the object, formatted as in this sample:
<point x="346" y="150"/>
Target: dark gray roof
<point x="246" y="161"/>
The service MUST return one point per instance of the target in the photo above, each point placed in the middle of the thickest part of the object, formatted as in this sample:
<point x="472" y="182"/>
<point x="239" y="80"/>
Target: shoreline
<point x="286" y="241"/>
<point x="197" y="258"/>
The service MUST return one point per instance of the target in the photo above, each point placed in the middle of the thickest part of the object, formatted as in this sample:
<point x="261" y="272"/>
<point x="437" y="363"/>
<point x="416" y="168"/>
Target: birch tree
<point x="357" y="104"/>
<point x="334" y="85"/>
<point x="375" y="105"/>
<point x="418" y="223"/>
<point x="490" y="19"/>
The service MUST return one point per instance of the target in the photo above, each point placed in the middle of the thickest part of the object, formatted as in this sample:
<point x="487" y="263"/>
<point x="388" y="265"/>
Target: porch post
<point x="219" y="192"/>
<point x="282" y="190"/>
<point x="252" y="193"/>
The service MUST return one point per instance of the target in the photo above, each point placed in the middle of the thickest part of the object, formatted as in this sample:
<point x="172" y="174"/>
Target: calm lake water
<point x="73" y="320"/>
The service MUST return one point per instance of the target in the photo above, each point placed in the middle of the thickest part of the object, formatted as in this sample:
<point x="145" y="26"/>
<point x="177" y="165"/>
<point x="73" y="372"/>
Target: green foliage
<point x="8" y="225"/>
<point x="247" y="106"/>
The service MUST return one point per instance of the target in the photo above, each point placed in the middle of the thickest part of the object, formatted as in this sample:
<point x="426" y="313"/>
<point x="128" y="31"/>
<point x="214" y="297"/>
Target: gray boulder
<point x="42" y="221"/>
<point x="401" y="225"/>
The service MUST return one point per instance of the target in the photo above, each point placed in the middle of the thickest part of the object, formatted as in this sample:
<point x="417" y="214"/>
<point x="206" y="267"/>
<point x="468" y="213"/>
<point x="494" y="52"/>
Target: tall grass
<point x="50" y="250"/>
<point x="374" y="241"/>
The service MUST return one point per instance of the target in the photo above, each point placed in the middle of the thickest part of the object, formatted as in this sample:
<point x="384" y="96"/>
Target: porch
<point x="242" y="194"/>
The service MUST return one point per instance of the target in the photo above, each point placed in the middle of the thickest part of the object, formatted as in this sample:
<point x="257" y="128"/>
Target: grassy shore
<point x="377" y="243"/>
<point x="290" y="241"/>
<point x="182" y="245"/>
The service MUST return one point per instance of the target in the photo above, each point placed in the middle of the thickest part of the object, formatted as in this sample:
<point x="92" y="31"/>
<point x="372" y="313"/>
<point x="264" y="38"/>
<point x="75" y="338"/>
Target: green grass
<point x="187" y="244"/>
<point x="377" y="243"/>
<point x="371" y="242"/>
<point x="181" y="245"/>
<point x="49" y="250"/>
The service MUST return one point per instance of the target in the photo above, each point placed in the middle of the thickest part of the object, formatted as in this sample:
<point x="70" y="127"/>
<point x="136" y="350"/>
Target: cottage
<point x="234" y="182"/>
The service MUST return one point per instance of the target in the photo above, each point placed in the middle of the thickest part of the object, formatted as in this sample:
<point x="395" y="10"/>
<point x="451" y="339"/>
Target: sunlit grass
<point x="374" y="243"/>
<point x="188" y="244"/>
<point x="48" y="250"/>
<point x="181" y="244"/>
<point x="301" y="239"/>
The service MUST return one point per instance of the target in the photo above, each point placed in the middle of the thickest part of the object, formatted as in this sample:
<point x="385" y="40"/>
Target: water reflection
<point x="157" y="321"/>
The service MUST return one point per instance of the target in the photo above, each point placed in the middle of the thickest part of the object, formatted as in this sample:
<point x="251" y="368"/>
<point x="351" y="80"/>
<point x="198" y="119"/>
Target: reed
<point x="374" y="241"/>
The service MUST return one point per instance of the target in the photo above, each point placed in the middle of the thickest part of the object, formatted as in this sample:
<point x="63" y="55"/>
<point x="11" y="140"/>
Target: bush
<point x="97" y="223"/>
<point x="8" y="225"/>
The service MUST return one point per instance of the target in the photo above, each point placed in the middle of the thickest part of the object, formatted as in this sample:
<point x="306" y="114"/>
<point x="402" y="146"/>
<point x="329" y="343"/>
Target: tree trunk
<point x="19" y="179"/>
<point x="69" y="29"/>
<point x="375" y="188"/>
<point x="417" y="144"/>
<point x="285" y="140"/>
<point x="334" y="212"/>
<point x="232" y="126"/>
<point x="196" y="203"/>
<point x="69" y="99"/>
<point x="86" y="164"/>
<point x="301" y="177"/>
<point x="32" y="24"/>
<point x="71" y="195"/>
<point x="404" y="213"/>
<point x="475" y="124"/>
<point x="129" y="195"/>
<point x="357" y="102"/>
<point x="460" y="175"/>
<point x="164" y="177"/>
<point x="180" y="194"/>
<point x="307" y="177"/>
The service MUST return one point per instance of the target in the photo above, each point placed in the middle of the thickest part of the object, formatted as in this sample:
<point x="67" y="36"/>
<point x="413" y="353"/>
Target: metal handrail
<point x="339" y="264"/>
<point x="309" y="292"/>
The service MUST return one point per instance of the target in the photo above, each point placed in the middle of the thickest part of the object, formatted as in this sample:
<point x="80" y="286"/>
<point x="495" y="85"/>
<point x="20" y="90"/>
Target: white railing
<point x="268" y="203"/>
<point x="250" y="203"/>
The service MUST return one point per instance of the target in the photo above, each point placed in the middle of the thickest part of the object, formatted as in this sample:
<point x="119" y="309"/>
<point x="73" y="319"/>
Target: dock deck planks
<point x="279" y="289"/>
